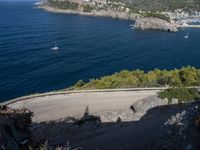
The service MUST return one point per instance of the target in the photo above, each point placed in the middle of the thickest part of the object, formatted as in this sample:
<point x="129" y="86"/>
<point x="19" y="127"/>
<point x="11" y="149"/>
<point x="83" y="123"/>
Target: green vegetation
<point x="47" y="146"/>
<point x="162" y="5"/>
<point x="181" y="93"/>
<point x="63" y="4"/>
<point x="186" y="76"/>
<point x="87" y="8"/>
<point x="156" y="15"/>
<point x="134" y="5"/>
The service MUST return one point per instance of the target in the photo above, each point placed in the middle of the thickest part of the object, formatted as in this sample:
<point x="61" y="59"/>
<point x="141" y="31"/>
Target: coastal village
<point x="184" y="17"/>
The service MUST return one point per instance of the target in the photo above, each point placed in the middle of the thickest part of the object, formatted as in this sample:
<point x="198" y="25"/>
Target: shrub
<point x="80" y="83"/>
<point x="183" y="94"/>
<point x="87" y="8"/>
<point x="186" y="76"/>
<point x="69" y="5"/>
<point x="157" y="15"/>
<point x="47" y="146"/>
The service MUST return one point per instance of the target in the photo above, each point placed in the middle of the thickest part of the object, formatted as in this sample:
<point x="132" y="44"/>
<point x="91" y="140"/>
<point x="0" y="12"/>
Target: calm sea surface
<point x="90" y="47"/>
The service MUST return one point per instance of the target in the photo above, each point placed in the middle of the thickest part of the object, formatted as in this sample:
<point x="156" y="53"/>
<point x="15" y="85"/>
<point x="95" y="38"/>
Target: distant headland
<point x="155" y="16"/>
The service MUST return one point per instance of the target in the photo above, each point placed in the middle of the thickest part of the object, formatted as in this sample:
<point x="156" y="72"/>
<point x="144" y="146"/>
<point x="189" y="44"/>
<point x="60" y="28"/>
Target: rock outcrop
<point x="148" y="103"/>
<point x="14" y="127"/>
<point x="181" y="131"/>
<point x="113" y="116"/>
<point x="155" y="23"/>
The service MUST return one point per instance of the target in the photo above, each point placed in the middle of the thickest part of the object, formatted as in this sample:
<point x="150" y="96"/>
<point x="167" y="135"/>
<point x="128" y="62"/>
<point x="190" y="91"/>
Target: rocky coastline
<point x="155" y="23"/>
<point x="140" y="21"/>
<point x="102" y="13"/>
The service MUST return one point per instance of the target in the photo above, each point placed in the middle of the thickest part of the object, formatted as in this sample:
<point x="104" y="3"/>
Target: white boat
<point x="132" y="26"/>
<point x="187" y="35"/>
<point x="38" y="3"/>
<point x="55" y="47"/>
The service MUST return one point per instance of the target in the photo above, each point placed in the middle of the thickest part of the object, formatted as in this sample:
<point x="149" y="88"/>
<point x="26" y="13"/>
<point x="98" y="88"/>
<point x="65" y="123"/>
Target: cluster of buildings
<point x="181" y="14"/>
<point x="104" y="3"/>
<point x="182" y="17"/>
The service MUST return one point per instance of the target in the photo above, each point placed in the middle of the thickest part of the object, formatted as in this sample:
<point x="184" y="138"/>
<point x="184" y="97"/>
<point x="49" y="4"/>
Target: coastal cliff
<point x="155" y="23"/>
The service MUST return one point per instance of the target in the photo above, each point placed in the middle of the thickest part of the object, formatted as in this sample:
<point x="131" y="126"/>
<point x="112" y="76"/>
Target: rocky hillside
<point x="14" y="128"/>
<point x="132" y="5"/>
<point x="181" y="131"/>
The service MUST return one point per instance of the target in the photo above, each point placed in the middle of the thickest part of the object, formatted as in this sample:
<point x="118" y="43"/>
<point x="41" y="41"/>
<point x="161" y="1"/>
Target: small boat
<point x="187" y="35"/>
<point x="132" y="26"/>
<point x="38" y="3"/>
<point x="55" y="47"/>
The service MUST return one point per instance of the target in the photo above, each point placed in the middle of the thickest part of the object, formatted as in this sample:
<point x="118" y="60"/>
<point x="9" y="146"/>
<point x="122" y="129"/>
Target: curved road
<point x="59" y="106"/>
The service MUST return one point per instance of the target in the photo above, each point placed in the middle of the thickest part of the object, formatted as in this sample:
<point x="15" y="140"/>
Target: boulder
<point x="112" y="116"/>
<point x="155" y="23"/>
<point x="147" y="103"/>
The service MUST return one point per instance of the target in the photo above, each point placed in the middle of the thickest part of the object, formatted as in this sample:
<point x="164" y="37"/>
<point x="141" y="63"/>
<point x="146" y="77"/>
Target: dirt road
<point x="60" y="106"/>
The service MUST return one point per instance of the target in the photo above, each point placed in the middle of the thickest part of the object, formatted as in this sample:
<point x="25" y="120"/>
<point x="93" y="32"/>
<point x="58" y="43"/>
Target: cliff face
<point x="155" y="23"/>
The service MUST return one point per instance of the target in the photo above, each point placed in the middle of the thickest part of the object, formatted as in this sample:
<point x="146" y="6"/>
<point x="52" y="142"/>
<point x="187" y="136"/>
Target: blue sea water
<point x="90" y="47"/>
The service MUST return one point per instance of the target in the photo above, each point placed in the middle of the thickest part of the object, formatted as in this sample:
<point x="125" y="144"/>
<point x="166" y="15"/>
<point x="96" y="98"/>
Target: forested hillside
<point x="164" y="4"/>
<point x="135" y="5"/>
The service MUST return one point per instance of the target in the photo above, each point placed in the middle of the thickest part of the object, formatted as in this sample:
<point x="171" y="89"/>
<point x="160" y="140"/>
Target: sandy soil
<point x="60" y="106"/>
